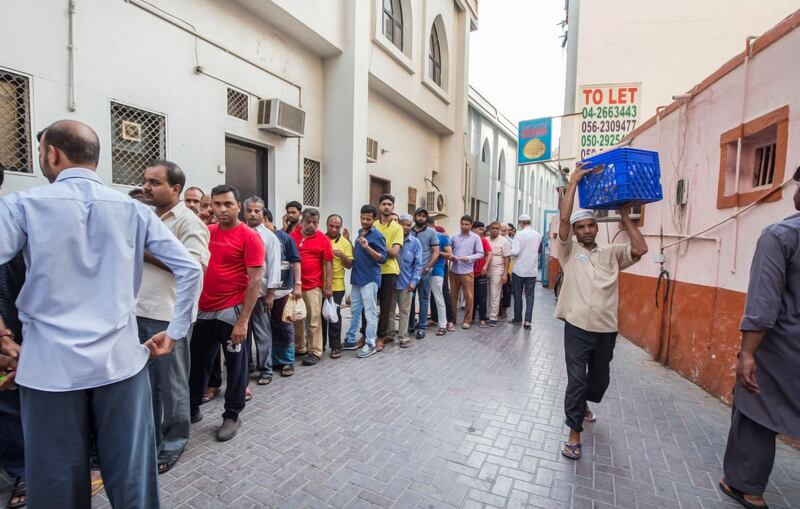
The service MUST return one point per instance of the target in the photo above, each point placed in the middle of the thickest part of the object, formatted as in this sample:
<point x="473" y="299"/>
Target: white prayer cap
<point x="406" y="217"/>
<point x="580" y="215"/>
<point x="525" y="218"/>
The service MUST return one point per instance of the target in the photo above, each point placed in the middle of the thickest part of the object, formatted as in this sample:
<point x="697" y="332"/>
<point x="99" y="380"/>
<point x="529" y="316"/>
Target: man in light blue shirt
<point x="410" y="273"/>
<point x="82" y="362"/>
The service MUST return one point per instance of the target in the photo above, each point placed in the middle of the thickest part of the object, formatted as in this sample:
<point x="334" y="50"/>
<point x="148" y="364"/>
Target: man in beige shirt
<point x="169" y="375"/>
<point x="588" y="306"/>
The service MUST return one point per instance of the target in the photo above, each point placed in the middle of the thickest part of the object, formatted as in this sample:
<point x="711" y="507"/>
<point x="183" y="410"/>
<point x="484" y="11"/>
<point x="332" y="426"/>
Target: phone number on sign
<point x="630" y="111"/>
<point x="607" y="126"/>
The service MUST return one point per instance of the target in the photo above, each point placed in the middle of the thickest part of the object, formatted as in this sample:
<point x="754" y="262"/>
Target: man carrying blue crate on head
<point x="588" y="306"/>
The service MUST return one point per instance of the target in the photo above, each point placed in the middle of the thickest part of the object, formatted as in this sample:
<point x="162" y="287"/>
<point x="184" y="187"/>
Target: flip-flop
<point x="97" y="486"/>
<point x="287" y="371"/>
<point x="441" y="331"/>
<point x="739" y="497"/>
<point x="19" y="492"/>
<point x="165" y="466"/>
<point x="571" y="451"/>
<point x="593" y="418"/>
<point x="265" y="380"/>
<point x="248" y="394"/>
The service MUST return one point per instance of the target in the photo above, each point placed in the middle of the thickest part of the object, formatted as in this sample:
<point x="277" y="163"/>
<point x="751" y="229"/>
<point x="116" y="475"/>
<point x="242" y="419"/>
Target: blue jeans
<point x="169" y="380"/>
<point x="58" y="427"/>
<point x="363" y="298"/>
<point x="519" y="283"/>
<point x="424" y="292"/>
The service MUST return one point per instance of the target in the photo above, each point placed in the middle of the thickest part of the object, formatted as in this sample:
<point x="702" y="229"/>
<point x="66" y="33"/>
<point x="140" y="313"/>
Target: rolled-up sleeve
<point x="12" y="233"/>
<point x="162" y="244"/>
<point x="767" y="280"/>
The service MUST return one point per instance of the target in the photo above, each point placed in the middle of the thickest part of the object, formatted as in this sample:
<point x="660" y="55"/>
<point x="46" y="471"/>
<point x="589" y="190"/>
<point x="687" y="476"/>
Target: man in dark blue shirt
<point x="370" y="252"/>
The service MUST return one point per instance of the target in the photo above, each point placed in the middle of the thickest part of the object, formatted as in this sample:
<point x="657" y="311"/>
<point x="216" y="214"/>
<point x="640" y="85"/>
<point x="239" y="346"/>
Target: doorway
<point x="246" y="169"/>
<point x="378" y="187"/>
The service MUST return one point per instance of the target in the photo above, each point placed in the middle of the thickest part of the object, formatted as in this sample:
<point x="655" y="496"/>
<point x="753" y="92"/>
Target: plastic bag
<point x="329" y="308"/>
<point x="294" y="310"/>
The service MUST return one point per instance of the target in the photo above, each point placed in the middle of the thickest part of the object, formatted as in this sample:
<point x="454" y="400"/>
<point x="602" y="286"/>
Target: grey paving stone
<point x="471" y="420"/>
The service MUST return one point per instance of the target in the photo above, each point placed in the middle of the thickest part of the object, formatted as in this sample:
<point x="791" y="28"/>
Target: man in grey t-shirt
<point x="430" y="253"/>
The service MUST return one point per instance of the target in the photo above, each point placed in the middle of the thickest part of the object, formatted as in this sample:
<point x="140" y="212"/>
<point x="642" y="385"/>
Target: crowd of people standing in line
<point x="129" y="308"/>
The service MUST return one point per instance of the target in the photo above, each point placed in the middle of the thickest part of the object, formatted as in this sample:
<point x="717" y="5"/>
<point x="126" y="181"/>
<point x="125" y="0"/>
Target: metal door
<point x="246" y="169"/>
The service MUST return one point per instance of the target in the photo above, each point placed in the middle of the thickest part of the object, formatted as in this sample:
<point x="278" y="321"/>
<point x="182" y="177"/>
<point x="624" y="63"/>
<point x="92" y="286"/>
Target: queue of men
<point x="127" y="339"/>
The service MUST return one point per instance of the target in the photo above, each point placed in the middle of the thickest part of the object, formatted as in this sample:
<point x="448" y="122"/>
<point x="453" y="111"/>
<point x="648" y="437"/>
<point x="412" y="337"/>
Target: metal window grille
<point x="15" y="122"/>
<point x="238" y="104"/>
<point x="138" y="139"/>
<point x="412" y="200"/>
<point x="311" y="182"/>
<point x="764" y="165"/>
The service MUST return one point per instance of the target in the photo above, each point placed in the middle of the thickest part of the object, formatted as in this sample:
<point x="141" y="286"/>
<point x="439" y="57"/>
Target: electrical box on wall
<point x="682" y="192"/>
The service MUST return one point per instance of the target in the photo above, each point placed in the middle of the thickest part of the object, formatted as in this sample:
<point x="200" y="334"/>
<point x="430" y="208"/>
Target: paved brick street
<point x="471" y="420"/>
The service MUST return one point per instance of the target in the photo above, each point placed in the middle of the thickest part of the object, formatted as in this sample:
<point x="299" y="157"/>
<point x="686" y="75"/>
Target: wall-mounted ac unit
<point x="281" y="118"/>
<point x="436" y="203"/>
<point x="372" y="150"/>
<point x="682" y="192"/>
<point x="612" y="216"/>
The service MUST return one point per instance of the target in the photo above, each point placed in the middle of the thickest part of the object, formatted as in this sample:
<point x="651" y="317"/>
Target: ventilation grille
<point x="15" y="122"/>
<point x="138" y="139"/>
<point x="291" y="118"/>
<point x="372" y="150"/>
<point x="311" y="181"/>
<point x="238" y="104"/>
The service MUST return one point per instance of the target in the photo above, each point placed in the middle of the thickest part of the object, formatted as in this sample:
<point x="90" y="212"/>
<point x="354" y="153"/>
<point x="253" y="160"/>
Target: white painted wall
<point x="688" y="141"/>
<point x="353" y="85"/>
<point x="666" y="46"/>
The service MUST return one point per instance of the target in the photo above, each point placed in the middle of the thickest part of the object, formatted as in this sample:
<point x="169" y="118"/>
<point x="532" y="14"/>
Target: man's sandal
<point x="265" y="380"/>
<point x="211" y="393"/>
<point x="18" y="496"/>
<point x="165" y="466"/>
<point x="738" y="496"/>
<point x="571" y="451"/>
<point x="287" y="371"/>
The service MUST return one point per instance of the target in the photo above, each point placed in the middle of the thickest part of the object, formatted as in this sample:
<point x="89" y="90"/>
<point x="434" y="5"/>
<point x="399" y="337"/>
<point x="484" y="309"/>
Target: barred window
<point x="311" y="181"/>
<point x="412" y="200"/>
<point x="15" y="122"/>
<point x="138" y="138"/>
<point x="238" y="104"/>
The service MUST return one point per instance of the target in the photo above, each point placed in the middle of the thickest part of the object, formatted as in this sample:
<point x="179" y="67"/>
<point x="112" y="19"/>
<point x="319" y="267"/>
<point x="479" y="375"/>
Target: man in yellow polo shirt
<point x="393" y="233"/>
<point x="342" y="259"/>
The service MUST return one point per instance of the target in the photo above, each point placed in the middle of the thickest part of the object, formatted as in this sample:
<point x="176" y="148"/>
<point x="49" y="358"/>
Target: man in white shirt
<point x="169" y="375"/>
<point x="525" y="250"/>
<point x="81" y="369"/>
<point x="260" y="321"/>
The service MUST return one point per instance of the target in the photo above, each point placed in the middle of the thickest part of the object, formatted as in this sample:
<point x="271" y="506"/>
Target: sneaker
<point x="311" y="360"/>
<point x="228" y="430"/>
<point x="348" y="346"/>
<point x="492" y="323"/>
<point x="196" y="416"/>
<point x="366" y="351"/>
<point x="420" y="334"/>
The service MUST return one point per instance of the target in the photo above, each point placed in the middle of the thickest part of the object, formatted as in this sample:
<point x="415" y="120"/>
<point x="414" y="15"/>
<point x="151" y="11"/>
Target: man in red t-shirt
<point x="481" y="280"/>
<point x="230" y="291"/>
<point x="316" y="266"/>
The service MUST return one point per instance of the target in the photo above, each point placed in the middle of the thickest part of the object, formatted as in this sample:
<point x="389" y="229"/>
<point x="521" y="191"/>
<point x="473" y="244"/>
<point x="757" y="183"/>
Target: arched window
<point x="501" y="167"/>
<point x="393" y="22"/>
<point x="485" y="152"/>
<point x="435" y="57"/>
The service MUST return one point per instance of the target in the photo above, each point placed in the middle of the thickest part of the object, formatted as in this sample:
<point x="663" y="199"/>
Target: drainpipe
<point x="747" y="51"/>
<point x="73" y="102"/>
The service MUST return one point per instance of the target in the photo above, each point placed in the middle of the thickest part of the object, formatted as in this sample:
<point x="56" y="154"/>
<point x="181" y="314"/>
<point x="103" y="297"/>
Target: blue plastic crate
<point x="620" y="176"/>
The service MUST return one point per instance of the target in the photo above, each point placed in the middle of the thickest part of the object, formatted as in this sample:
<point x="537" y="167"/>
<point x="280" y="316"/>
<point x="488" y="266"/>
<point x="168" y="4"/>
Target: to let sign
<point x="608" y="113"/>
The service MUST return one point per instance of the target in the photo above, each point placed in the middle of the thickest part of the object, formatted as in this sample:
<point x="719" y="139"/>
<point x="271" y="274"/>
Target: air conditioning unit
<point x="612" y="216"/>
<point x="682" y="192"/>
<point x="436" y="203"/>
<point x="372" y="150"/>
<point x="130" y="131"/>
<point x="281" y="118"/>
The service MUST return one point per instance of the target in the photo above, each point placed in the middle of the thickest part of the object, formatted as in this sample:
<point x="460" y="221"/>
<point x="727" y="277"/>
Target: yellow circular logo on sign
<point x="534" y="149"/>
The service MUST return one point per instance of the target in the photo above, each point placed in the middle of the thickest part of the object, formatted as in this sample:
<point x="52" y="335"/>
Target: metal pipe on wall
<point x="73" y="101"/>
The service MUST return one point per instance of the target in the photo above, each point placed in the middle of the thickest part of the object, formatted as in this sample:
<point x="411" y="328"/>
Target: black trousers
<point x="505" y="301"/>
<point x="333" y="330"/>
<point x="480" y="292"/>
<point x="215" y="378"/>
<point x="386" y="301"/>
<point x="208" y="338"/>
<point x="588" y="356"/>
<point x="749" y="455"/>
